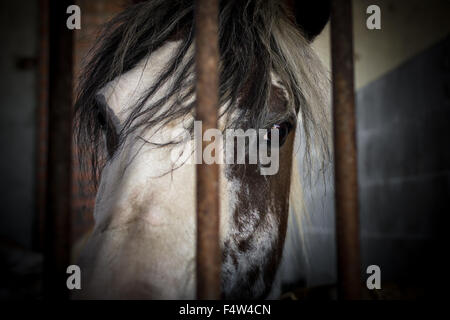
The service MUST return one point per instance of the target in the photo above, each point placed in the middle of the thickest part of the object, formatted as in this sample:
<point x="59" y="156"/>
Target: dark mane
<point x="249" y="51"/>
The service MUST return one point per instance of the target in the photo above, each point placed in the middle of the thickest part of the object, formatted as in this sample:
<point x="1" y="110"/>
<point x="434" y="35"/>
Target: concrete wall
<point x="404" y="165"/>
<point x="402" y="77"/>
<point x="407" y="28"/>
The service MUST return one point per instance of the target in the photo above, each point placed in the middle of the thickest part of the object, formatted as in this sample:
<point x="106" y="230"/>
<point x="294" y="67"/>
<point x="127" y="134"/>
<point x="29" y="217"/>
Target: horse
<point x="137" y="90"/>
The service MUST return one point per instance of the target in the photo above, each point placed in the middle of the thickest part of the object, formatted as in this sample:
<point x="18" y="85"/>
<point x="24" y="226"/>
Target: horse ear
<point x="311" y="16"/>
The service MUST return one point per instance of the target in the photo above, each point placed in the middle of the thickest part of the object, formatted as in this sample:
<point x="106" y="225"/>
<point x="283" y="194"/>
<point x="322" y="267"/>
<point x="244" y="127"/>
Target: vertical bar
<point x="346" y="181"/>
<point x="207" y="60"/>
<point x="57" y="221"/>
<point x="41" y="128"/>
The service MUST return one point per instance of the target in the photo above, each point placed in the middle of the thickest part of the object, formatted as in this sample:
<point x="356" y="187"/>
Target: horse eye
<point x="101" y="120"/>
<point x="283" y="131"/>
<point x="111" y="137"/>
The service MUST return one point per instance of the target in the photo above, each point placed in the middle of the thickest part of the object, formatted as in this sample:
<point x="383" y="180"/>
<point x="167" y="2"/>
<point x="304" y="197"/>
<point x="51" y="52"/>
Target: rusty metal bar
<point x="57" y="220"/>
<point x="346" y="180"/>
<point x="207" y="60"/>
<point x="41" y="128"/>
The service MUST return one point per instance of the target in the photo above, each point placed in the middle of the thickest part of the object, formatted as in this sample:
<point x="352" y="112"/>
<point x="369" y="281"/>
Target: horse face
<point x="143" y="243"/>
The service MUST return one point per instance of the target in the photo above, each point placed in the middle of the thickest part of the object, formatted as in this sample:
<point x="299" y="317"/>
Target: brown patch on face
<point x="280" y="189"/>
<point x="261" y="200"/>
<point x="278" y="102"/>
<point x="253" y="275"/>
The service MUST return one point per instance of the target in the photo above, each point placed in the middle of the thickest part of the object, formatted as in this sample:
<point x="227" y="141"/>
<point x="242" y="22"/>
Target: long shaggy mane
<point x="256" y="37"/>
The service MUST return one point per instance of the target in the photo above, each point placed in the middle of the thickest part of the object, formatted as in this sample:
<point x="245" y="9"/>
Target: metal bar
<point x="57" y="221"/>
<point x="207" y="60"/>
<point x="346" y="180"/>
<point x="41" y="128"/>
